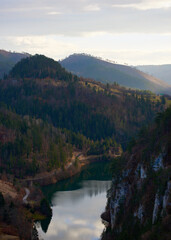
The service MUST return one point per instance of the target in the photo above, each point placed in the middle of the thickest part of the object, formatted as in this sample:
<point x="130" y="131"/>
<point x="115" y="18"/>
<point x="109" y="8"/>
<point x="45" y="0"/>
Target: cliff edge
<point x="139" y="201"/>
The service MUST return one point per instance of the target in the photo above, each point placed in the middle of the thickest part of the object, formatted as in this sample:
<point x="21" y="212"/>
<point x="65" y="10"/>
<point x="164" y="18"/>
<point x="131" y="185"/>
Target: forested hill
<point x="109" y="72"/>
<point x="140" y="195"/>
<point x="8" y="60"/>
<point x="40" y="67"/>
<point x="45" y="90"/>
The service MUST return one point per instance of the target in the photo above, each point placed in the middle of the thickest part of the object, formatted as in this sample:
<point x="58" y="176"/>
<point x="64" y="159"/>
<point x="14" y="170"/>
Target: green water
<point x="77" y="204"/>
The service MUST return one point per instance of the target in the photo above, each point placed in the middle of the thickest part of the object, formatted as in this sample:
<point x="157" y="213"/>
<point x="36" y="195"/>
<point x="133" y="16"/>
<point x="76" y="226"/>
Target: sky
<point x="126" y="31"/>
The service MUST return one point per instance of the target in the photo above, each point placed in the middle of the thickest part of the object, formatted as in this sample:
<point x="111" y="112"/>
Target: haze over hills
<point x="8" y="60"/>
<point x="109" y="72"/>
<point x="159" y="71"/>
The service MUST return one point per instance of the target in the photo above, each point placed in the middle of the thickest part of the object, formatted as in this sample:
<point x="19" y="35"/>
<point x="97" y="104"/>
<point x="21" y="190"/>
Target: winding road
<point x="26" y="196"/>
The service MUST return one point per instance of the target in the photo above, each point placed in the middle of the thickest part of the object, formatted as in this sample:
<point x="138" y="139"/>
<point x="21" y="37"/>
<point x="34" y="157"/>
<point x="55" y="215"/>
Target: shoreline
<point x="42" y="179"/>
<point x="57" y="175"/>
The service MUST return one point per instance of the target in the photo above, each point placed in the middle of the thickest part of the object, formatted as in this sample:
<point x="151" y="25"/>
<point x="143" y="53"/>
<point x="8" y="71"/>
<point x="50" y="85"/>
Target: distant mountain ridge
<point x="109" y="72"/>
<point x="104" y="71"/>
<point x="8" y="60"/>
<point x="160" y="71"/>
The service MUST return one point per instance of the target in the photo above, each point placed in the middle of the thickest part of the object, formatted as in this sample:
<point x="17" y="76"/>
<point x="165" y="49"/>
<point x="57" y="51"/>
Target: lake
<point x="77" y="204"/>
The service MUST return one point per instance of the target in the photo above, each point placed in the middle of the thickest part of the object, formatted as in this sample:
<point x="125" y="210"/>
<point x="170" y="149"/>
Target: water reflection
<point x="45" y="224"/>
<point x="89" y="189"/>
<point x="76" y="210"/>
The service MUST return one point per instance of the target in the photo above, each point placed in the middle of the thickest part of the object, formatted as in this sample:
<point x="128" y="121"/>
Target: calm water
<point x="77" y="204"/>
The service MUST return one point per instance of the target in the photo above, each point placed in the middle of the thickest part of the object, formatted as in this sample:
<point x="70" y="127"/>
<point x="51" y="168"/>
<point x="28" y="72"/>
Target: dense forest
<point x="29" y="146"/>
<point x="47" y="113"/>
<point x="40" y="67"/>
<point x="80" y="105"/>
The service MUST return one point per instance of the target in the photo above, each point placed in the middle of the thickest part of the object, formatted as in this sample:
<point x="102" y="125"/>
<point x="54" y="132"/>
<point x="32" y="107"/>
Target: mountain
<point x="139" y="199"/>
<point x="159" y="71"/>
<point x="80" y="105"/>
<point x="108" y="72"/>
<point x="40" y="67"/>
<point x="47" y="114"/>
<point x="8" y="60"/>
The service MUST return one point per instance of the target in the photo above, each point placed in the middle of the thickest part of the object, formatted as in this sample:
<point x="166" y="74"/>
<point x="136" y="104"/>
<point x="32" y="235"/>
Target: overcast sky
<point x="126" y="31"/>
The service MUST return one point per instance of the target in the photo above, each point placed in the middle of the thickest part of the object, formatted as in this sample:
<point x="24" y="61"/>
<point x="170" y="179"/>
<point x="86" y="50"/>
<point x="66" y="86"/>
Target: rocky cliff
<point x="139" y="201"/>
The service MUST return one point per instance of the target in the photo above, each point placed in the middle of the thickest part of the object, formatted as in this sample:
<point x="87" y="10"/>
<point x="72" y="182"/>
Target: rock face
<point x="158" y="163"/>
<point x="139" y="200"/>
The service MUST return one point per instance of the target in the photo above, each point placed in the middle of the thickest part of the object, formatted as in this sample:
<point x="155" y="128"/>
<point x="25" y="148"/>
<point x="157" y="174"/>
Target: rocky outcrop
<point x="158" y="162"/>
<point x="156" y="208"/>
<point x="139" y="200"/>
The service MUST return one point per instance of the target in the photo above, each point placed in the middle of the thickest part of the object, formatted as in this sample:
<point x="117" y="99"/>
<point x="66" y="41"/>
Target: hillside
<point x="79" y="105"/>
<point x="39" y="67"/>
<point x="139" y="199"/>
<point x="107" y="72"/>
<point x="29" y="146"/>
<point x="8" y="60"/>
<point x="159" y="71"/>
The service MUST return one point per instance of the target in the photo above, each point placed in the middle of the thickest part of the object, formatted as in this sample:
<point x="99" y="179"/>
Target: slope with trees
<point x="110" y="72"/>
<point x="80" y="105"/>
<point x="139" y="199"/>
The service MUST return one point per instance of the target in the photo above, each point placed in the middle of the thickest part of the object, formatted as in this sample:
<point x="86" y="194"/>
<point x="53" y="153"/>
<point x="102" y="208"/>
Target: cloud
<point x="146" y="4"/>
<point x="113" y="20"/>
<point x="76" y="214"/>
<point x="130" y="48"/>
<point x="81" y="5"/>
<point x="92" y="8"/>
<point x="54" y="13"/>
<point x="51" y="46"/>
<point x="58" y="28"/>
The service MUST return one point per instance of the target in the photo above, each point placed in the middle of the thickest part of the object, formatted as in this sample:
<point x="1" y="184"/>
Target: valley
<point x="85" y="120"/>
<point x="54" y="125"/>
